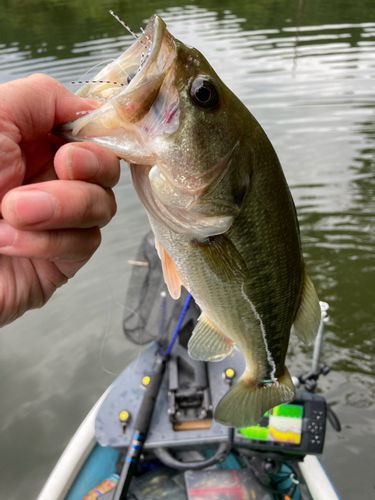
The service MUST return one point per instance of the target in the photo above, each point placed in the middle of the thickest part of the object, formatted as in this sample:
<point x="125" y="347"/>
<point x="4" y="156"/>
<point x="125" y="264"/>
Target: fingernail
<point x="7" y="234"/>
<point x="83" y="164"/>
<point x="33" y="207"/>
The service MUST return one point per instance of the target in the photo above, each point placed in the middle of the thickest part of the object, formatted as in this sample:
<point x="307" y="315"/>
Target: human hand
<point x="54" y="197"/>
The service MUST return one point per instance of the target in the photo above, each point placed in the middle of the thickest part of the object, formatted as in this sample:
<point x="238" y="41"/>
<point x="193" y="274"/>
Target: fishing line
<point x="98" y="81"/>
<point x="96" y="65"/>
<point x="110" y="296"/>
<point x="164" y="303"/>
<point x="106" y="331"/>
<point x="128" y="28"/>
<point x="144" y="33"/>
<point x="301" y="6"/>
<point x="103" y="62"/>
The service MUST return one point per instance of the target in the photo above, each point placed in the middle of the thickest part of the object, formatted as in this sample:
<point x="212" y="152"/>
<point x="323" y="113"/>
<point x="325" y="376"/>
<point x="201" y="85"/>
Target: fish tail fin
<point x="247" y="401"/>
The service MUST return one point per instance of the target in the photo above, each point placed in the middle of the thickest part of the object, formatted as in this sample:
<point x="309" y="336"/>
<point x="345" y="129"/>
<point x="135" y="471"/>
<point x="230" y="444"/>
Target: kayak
<point x="152" y="434"/>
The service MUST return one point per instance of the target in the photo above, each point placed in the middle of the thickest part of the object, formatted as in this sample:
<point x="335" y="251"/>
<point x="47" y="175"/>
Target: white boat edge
<point x="317" y="479"/>
<point x="73" y="457"/>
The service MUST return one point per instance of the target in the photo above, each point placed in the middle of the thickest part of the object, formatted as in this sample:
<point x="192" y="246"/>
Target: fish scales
<point x="275" y="261"/>
<point x="223" y="217"/>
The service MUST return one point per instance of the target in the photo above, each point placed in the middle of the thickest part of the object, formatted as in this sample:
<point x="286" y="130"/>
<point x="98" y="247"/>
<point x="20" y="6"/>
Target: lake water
<point x="306" y="70"/>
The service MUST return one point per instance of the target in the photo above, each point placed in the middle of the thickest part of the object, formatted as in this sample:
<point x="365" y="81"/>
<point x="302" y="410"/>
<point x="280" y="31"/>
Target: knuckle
<point x="45" y="244"/>
<point x="85" y="207"/>
<point x="70" y="244"/>
<point x="52" y="245"/>
<point x="95" y="205"/>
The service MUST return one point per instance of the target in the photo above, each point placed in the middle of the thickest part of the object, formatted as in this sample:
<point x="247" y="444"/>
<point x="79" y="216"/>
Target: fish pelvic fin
<point x="207" y="343"/>
<point x="170" y="274"/>
<point x="307" y="320"/>
<point x="248" y="400"/>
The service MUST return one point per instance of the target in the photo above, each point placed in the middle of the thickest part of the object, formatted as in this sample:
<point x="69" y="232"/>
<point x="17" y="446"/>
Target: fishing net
<point x="150" y="312"/>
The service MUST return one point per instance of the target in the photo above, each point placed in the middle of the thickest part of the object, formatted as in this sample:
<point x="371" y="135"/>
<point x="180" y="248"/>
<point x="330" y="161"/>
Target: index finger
<point x="30" y="107"/>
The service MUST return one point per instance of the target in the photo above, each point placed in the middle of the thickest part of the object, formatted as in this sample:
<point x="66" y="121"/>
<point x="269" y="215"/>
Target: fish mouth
<point x="128" y="71"/>
<point x="126" y="91"/>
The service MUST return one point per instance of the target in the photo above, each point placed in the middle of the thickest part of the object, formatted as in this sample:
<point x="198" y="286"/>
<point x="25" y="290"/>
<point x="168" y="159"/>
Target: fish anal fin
<point x="308" y="317"/>
<point x="223" y="258"/>
<point x="170" y="273"/>
<point x="207" y="343"/>
<point x="247" y="401"/>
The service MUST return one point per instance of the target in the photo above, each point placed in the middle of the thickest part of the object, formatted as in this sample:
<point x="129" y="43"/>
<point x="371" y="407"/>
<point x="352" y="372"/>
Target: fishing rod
<point x="142" y="424"/>
<point x="141" y="427"/>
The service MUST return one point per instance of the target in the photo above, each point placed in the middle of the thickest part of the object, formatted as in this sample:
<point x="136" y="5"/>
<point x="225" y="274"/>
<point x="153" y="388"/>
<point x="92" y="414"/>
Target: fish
<point x="223" y="217"/>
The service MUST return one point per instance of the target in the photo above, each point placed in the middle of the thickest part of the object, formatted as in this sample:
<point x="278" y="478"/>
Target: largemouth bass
<point x="219" y="205"/>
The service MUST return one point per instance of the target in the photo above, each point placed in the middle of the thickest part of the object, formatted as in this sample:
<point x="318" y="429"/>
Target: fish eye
<point x="204" y="93"/>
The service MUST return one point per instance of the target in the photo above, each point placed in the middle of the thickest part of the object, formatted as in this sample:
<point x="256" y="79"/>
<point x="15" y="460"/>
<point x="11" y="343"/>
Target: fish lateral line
<point x="270" y="359"/>
<point x="261" y="384"/>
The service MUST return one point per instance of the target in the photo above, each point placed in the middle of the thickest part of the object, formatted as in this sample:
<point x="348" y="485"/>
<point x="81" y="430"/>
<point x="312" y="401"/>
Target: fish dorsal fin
<point x="223" y="258"/>
<point x="170" y="274"/>
<point x="307" y="320"/>
<point x="207" y="343"/>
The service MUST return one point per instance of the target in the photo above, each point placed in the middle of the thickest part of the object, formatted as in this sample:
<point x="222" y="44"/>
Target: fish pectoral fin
<point x="223" y="258"/>
<point x="307" y="320"/>
<point x="207" y="343"/>
<point x="248" y="400"/>
<point x="170" y="273"/>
